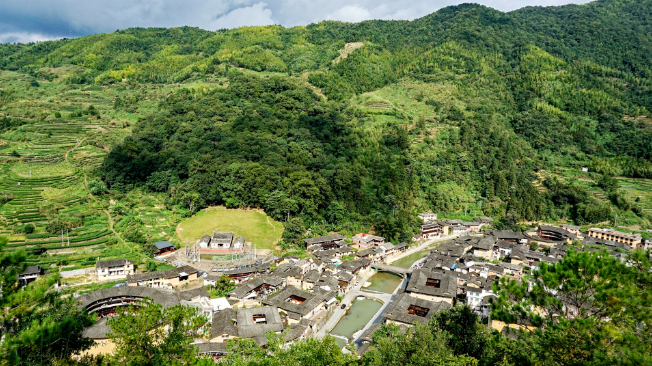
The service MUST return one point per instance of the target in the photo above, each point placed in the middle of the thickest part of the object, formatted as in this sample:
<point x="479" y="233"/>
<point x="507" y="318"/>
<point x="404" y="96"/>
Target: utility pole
<point x="61" y="237"/>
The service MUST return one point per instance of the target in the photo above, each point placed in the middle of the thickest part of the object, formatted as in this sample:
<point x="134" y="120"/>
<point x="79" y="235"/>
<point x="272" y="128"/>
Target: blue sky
<point x="38" y="20"/>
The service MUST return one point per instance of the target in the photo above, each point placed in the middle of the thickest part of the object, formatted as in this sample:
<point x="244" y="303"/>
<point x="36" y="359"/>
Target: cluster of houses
<point x="433" y="228"/>
<point x="292" y="296"/>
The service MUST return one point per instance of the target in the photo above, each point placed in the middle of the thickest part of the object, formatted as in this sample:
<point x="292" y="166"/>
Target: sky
<point x="40" y="20"/>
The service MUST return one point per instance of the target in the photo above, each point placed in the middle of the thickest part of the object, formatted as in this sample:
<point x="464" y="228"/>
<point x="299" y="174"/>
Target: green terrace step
<point x="75" y="245"/>
<point x="73" y="239"/>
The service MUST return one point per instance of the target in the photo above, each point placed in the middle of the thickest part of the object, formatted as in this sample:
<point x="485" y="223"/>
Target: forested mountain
<point x="465" y="108"/>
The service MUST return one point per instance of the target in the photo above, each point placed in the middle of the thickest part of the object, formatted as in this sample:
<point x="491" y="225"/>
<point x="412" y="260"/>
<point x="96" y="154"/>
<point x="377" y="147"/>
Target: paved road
<point x="377" y="318"/>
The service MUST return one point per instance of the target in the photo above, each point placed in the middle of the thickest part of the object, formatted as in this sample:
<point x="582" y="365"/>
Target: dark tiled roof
<point x="248" y="328"/>
<point x="312" y="276"/>
<point x="447" y="286"/>
<point x="294" y="332"/>
<point x="163" y="244"/>
<point x="223" y="237"/>
<point x="32" y="270"/>
<point x="324" y="239"/>
<point x="191" y="294"/>
<point x="166" y="298"/>
<point x="98" y="330"/>
<point x="223" y="323"/>
<point x="245" y="288"/>
<point x="507" y="234"/>
<point x="112" y="263"/>
<point x="312" y="300"/>
<point x="486" y="243"/>
<point x="170" y="273"/>
<point x="353" y="266"/>
<point x="398" y="309"/>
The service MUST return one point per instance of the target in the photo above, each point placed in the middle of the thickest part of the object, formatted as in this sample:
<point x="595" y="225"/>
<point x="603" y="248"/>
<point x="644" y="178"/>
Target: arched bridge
<point x="403" y="272"/>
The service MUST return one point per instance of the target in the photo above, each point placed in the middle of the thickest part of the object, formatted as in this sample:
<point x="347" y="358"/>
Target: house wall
<point x="389" y="321"/>
<point x="293" y="281"/>
<point x="431" y="297"/>
<point x="486" y="254"/>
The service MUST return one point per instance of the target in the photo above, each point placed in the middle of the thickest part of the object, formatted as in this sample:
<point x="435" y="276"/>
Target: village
<point x="345" y="287"/>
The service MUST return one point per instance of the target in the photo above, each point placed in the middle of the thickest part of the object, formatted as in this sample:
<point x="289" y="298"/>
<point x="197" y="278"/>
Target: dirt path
<point x="117" y="235"/>
<point x="65" y="156"/>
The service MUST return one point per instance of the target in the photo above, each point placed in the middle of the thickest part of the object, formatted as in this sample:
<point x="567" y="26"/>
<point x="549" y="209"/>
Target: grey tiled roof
<point x="312" y="276"/>
<point x="215" y="347"/>
<point x="191" y="294"/>
<point x="246" y="287"/>
<point x="166" y="298"/>
<point x="447" y="287"/>
<point x="398" y="309"/>
<point x="294" y="332"/>
<point x="223" y="323"/>
<point x="163" y="244"/>
<point x="170" y="273"/>
<point x="312" y="300"/>
<point x="324" y="239"/>
<point x="248" y="328"/>
<point x="112" y="263"/>
<point x="32" y="270"/>
<point x="353" y="266"/>
<point x="486" y="243"/>
<point x="98" y="330"/>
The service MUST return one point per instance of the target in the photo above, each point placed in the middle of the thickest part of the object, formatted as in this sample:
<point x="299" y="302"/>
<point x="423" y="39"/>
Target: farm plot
<point x="638" y="191"/>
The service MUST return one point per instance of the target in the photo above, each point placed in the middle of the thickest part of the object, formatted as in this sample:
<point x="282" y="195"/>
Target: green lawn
<point x="255" y="226"/>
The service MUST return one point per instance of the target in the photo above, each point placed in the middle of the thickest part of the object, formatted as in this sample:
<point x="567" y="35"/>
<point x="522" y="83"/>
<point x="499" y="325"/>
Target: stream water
<point x="357" y="317"/>
<point x="409" y="260"/>
<point x="383" y="282"/>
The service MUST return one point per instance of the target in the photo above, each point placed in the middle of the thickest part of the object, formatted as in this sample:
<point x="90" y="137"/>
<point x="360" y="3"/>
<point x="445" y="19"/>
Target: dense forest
<point x="506" y="96"/>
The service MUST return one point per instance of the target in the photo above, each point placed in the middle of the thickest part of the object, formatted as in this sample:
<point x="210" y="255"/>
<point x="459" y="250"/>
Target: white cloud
<point x="350" y="13"/>
<point x="257" y="14"/>
<point x="25" y="37"/>
<point x="28" y="20"/>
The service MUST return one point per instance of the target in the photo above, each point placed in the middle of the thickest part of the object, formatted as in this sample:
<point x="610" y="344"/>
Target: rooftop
<point x="437" y="282"/>
<point x="112" y="263"/>
<point x="163" y="244"/>
<point x="255" y="322"/>
<point x="410" y="310"/>
<point x="310" y="300"/>
<point x="324" y="239"/>
<point x="170" y="273"/>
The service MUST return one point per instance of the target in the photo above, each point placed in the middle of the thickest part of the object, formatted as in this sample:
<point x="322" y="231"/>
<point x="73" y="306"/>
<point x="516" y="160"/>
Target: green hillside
<point x="467" y="111"/>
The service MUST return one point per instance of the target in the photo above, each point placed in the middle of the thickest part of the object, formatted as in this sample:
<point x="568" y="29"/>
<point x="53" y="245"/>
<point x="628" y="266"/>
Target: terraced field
<point x="46" y="162"/>
<point x="639" y="191"/>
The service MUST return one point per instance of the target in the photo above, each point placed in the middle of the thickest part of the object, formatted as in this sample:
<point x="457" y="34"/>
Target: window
<point x="417" y="310"/>
<point x="260" y="319"/>
<point x="431" y="282"/>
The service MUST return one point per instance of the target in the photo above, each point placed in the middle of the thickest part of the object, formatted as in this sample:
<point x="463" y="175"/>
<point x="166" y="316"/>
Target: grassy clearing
<point x="255" y="226"/>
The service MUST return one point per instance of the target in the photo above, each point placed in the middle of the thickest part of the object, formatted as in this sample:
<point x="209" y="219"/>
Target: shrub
<point x="28" y="229"/>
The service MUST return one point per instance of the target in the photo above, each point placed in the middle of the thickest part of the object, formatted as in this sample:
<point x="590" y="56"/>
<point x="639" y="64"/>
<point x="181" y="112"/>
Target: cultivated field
<point x="254" y="225"/>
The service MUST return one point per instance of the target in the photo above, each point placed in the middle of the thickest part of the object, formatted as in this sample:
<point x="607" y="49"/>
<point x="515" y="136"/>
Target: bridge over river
<point x="403" y="272"/>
